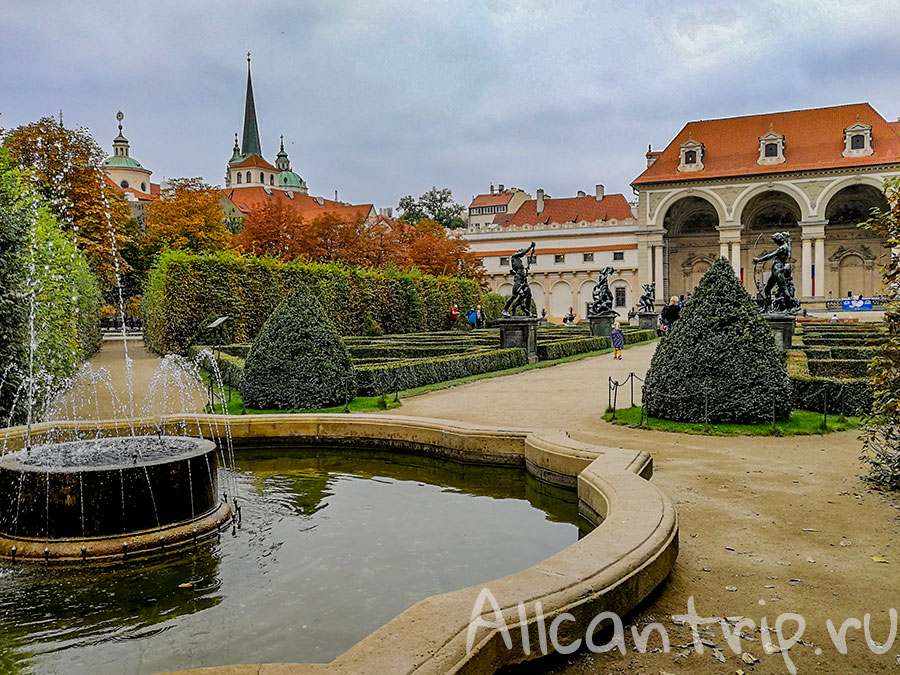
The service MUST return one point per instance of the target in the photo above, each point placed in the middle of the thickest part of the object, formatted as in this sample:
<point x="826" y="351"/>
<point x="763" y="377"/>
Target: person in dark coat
<point x="670" y="313"/>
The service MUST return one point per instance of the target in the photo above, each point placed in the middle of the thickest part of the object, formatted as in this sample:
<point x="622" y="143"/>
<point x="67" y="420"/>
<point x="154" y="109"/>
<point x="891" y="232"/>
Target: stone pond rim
<point x="109" y="499"/>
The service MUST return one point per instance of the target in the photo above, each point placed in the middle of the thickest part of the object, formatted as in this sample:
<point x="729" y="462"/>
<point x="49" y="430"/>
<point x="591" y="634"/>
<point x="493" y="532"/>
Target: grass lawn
<point x="391" y="401"/>
<point x="800" y="423"/>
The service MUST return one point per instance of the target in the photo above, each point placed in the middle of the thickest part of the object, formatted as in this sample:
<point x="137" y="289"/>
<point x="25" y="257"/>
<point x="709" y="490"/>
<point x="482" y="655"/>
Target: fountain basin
<point x="108" y="498"/>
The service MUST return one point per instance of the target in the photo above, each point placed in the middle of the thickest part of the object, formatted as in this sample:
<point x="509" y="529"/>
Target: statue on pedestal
<point x="646" y="302"/>
<point x="782" y="300"/>
<point x="602" y="296"/>
<point x="521" y="293"/>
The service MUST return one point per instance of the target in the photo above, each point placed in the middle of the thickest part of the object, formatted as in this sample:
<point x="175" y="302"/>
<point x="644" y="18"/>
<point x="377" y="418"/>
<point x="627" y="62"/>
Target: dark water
<point x="332" y="547"/>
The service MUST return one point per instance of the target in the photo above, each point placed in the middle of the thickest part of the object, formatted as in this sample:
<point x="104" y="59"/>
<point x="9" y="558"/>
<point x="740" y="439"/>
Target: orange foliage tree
<point x="186" y="216"/>
<point x="275" y="230"/>
<point x="433" y="251"/>
<point x="65" y="166"/>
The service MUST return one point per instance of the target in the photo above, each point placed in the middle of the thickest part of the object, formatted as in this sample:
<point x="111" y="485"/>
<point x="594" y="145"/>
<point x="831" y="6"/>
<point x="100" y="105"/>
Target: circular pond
<point x="332" y="545"/>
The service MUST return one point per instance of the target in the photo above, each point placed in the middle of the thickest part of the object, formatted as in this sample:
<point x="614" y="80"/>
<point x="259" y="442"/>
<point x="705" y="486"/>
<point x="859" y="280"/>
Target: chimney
<point x="599" y="192"/>
<point x="651" y="156"/>
<point x="492" y="188"/>
<point x="540" y="201"/>
<point x="501" y="188"/>
<point x="582" y="193"/>
<point x="335" y="195"/>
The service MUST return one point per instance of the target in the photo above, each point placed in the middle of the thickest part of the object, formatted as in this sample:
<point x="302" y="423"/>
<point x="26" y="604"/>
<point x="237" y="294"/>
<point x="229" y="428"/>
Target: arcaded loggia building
<point x="721" y="187"/>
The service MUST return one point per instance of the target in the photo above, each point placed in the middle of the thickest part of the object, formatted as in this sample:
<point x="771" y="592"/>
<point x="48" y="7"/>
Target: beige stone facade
<point x="734" y="196"/>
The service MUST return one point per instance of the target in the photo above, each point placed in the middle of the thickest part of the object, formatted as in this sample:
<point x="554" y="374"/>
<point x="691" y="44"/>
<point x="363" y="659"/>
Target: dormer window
<point x="771" y="148"/>
<point x="858" y="140"/>
<point x="692" y="155"/>
<point x="238" y="177"/>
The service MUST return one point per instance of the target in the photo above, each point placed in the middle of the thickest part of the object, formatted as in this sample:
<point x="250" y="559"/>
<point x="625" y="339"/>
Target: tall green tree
<point x="436" y="204"/>
<point x="881" y="428"/>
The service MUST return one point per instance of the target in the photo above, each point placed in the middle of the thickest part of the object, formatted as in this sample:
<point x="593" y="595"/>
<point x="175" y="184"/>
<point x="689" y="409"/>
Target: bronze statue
<point x="521" y="293"/>
<point x="602" y="296"/>
<point x="782" y="301"/>
<point x="646" y="303"/>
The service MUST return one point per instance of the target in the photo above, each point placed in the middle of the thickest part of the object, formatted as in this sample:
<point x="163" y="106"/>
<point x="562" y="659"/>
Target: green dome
<point x="290" y="179"/>
<point x="122" y="162"/>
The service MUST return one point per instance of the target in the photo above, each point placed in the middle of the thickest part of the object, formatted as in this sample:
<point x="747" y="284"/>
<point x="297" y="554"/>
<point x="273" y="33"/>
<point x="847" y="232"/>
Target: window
<point x="858" y="140"/>
<point x="504" y="261"/>
<point x="239" y="177"/>
<point x="690" y="157"/>
<point x="619" y="255"/>
<point x="124" y="183"/>
<point x="474" y="211"/>
<point x="262" y="177"/>
<point x="501" y="209"/>
<point x="559" y="258"/>
<point x="143" y="187"/>
<point x="588" y="257"/>
<point x="532" y="260"/>
<point x="271" y="179"/>
<point x="620" y="296"/>
<point x="249" y="180"/>
<point x="771" y="149"/>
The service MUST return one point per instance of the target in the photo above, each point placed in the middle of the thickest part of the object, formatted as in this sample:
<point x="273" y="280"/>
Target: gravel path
<point x="780" y="520"/>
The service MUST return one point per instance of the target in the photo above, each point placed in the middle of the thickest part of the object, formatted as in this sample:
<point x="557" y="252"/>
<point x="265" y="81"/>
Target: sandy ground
<point x="102" y="391"/>
<point x="780" y="521"/>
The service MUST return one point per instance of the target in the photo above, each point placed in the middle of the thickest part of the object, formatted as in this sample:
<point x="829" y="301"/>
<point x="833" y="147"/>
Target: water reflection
<point x="333" y="544"/>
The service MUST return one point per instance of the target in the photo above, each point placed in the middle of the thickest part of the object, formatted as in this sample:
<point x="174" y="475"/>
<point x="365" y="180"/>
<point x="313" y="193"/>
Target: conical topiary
<point x="719" y="362"/>
<point x="298" y="360"/>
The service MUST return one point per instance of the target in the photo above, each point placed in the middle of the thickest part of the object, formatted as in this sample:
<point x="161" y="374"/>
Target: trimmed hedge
<point x="839" y="368"/>
<point x="847" y="396"/>
<point x="385" y="378"/>
<point x="298" y="361"/>
<point x="719" y="363"/>
<point x="562" y="348"/>
<point x="67" y="298"/>
<point x="184" y="290"/>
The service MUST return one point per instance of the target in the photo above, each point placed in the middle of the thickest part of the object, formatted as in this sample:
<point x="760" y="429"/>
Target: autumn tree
<point x="433" y="251"/>
<point x="341" y="238"/>
<point x="437" y="205"/>
<point x="275" y="230"/>
<point x="65" y="167"/>
<point x="186" y="216"/>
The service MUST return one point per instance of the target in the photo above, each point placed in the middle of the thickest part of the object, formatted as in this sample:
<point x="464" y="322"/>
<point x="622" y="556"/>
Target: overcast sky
<point x="378" y="99"/>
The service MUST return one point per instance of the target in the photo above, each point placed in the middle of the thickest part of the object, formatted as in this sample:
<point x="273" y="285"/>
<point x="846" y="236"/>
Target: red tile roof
<point x="492" y="200"/>
<point x="254" y="161"/>
<point x="895" y="126"/>
<point x="573" y="210"/>
<point x="246" y="199"/>
<point x="813" y="139"/>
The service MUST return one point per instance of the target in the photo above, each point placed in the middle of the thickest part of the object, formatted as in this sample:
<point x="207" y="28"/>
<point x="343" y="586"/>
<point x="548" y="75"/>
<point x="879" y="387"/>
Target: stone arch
<point x="538" y="295"/>
<point x="769" y="211"/>
<point x="852" y="204"/>
<point x="504" y="289"/>
<point x="692" y="229"/>
<point x="585" y="296"/>
<point x="560" y="298"/>
<point x="693" y="270"/>
<point x="708" y="195"/>
<point x="800" y="199"/>
<point x="843" y="183"/>
<point x="854" y="271"/>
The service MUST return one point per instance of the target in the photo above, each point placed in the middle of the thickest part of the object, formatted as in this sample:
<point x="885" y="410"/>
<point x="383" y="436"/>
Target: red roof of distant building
<point x="813" y="139"/>
<point x="246" y="199"/>
<point x="502" y="218"/>
<point x="254" y="161"/>
<point x="895" y="126"/>
<point x="573" y="210"/>
<point x="496" y="199"/>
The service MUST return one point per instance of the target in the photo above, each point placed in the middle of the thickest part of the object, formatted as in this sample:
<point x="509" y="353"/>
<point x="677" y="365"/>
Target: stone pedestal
<point x="520" y="332"/>
<point x="648" y="320"/>
<point x="601" y="326"/>
<point x="782" y="326"/>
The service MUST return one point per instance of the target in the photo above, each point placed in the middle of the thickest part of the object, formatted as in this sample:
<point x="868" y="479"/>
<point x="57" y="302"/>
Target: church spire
<point x="250" y="145"/>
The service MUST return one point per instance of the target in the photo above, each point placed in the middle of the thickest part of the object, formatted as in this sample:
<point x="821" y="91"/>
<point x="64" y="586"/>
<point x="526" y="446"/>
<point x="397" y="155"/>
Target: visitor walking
<point x="454" y="315"/>
<point x="479" y="317"/>
<point x="670" y="314"/>
<point x="618" y="340"/>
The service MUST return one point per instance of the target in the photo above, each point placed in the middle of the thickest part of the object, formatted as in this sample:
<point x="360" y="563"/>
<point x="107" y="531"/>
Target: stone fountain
<point x="109" y="498"/>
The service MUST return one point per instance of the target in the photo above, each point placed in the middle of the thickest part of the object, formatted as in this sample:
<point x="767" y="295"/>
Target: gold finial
<point x="120" y="116"/>
<point x="857" y="117"/>
<point x="771" y="127"/>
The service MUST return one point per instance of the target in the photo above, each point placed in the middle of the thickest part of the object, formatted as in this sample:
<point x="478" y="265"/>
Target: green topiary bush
<point x="719" y="363"/>
<point x="298" y="361"/>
